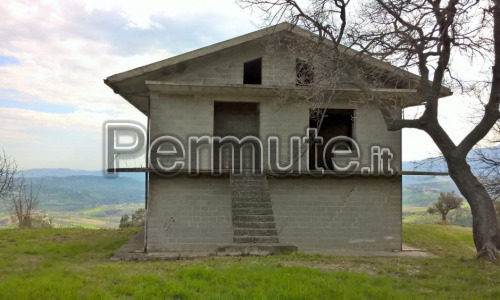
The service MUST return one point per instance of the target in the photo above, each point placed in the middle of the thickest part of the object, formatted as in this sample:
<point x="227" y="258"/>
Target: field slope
<point x="73" y="263"/>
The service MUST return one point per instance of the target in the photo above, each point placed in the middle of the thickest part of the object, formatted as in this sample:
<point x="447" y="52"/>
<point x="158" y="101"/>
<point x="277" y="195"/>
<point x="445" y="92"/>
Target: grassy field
<point x="102" y="216"/>
<point x="417" y="214"/>
<point x="73" y="263"/>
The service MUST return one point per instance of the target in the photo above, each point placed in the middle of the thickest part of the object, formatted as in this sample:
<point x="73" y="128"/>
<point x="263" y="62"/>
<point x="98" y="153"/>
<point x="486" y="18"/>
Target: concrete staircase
<point x="254" y="226"/>
<point x="252" y="210"/>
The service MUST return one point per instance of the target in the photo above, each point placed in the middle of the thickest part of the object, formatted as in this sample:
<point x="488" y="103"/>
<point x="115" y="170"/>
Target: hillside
<point x="84" y="198"/>
<point x="420" y="191"/>
<point x="423" y="190"/>
<point x="72" y="193"/>
<point x="73" y="264"/>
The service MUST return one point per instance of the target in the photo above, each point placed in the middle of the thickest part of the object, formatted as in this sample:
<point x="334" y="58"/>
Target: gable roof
<point x="131" y="84"/>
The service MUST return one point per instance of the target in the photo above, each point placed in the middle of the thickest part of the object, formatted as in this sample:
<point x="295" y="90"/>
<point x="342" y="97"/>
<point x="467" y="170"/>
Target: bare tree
<point x="487" y="162"/>
<point x="23" y="202"/>
<point x="421" y="35"/>
<point x="19" y="197"/>
<point x="445" y="203"/>
<point x="8" y="171"/>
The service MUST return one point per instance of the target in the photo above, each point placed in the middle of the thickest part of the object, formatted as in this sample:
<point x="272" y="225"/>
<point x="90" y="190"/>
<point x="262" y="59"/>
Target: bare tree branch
<point x="423" y="35"/>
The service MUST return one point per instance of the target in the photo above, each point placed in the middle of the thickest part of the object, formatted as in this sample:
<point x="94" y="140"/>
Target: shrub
<point x="137" y="219"/>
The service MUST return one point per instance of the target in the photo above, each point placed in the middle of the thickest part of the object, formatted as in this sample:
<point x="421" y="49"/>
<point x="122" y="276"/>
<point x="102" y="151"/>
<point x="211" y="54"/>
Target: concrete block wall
<point x="283" y="121"/>
<point x="330" y="213"/>
<point x="370" y="129"/>
<point x="184" y="116"/>
<point x="292" y="119"/>
<point x="315" y="214"/>
<point x="278" y="68"/>
<point x="188" y="213"/>
<point x="226" y="67"/>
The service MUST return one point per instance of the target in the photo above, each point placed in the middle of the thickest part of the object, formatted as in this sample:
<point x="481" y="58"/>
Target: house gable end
<point x="223" y="64"/>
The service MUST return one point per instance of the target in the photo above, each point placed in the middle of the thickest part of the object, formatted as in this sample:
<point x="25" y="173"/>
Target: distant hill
<point x="421" y="190"/>
<point x="60" y="192"/>
<point x="439" y="165"/>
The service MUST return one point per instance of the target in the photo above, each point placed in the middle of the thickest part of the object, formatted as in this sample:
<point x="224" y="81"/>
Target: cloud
<point x="64" y="49"/>
<point x="50" y="140"/>
<point x="55" y="54"/>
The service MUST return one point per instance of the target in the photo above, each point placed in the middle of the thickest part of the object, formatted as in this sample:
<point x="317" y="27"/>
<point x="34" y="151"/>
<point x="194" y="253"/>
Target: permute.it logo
<point x="168" y="155"/>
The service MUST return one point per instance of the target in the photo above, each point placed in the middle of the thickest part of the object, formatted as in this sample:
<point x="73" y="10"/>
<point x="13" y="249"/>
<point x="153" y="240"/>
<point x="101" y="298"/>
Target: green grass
<point x="442" y="240"/>
<point x="73" y="263"/>
<point x="414" y="214"/>
<point x="414" y="209"/>
<point x="63" y="223"/>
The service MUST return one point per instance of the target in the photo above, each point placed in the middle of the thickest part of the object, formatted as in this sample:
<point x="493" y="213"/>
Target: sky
<point x="54" y="56"/>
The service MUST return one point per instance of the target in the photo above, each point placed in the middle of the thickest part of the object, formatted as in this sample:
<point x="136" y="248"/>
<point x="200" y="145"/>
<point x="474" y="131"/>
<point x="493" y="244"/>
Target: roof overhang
<point x="408" y="97"/>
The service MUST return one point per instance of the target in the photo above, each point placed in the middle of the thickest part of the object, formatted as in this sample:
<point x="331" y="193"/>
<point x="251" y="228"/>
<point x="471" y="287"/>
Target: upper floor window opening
<point x="252" y="71"/>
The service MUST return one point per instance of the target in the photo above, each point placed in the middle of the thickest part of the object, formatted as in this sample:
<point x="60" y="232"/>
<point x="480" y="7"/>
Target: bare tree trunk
<point x="443" y="217"/>
<point x="484" y="224"/>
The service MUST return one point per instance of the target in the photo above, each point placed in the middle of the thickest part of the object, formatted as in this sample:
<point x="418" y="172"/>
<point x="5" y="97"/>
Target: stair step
<point x="253" y="218"/>
<point x="254" y="232"/>
<point x="252" y="211"/>
<point x="250" y="193"/>
<point x="263" y="225"/>
<point x="260" y="249"/>
<point x="255" y="239"/>
<point x="248" y="182"/>
<point x="251" y="199"/>
<point x="253" y="192"/>
<point x="245" y="204"/>
<point x="248" y="177"/>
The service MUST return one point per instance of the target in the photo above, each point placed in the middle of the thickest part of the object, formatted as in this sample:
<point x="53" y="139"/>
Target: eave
<point x="409" y="96"/>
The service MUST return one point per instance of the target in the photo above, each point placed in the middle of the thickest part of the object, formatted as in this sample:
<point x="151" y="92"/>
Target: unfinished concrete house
<point x="236" y="88"/>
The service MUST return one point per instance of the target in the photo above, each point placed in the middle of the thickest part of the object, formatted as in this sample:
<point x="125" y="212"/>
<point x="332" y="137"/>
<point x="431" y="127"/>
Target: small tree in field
<point x="137" y="219"/>
<point x="445" y="203"/>
<point x="23" y="203"/>
<point x="19" y="197"/>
